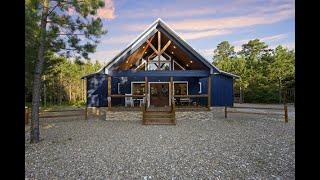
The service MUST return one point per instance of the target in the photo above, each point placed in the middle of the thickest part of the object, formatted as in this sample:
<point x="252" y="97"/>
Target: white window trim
<point x="200" y="89"/>
<point x="118" y="88"/>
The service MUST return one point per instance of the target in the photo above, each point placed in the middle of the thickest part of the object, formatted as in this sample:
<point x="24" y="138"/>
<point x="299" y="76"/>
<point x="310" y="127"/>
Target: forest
<point x="266" y="75"/>
<point x="63" y="42"/>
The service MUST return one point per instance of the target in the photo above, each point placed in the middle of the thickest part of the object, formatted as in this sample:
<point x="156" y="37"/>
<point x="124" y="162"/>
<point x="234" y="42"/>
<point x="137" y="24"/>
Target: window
<point x="181" y="88"/>
<point x="121" y="89"/>
<point x="164" y="64"/>
<point x="152" y="66"/>
<point x="138" y="88"/>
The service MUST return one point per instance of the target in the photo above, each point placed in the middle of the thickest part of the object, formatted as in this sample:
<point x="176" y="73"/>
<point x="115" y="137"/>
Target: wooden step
<point x="159" y="115"/>
<point x="157" y="121"/>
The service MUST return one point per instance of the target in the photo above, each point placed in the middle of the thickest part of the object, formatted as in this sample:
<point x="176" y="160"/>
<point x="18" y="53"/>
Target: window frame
<point x="181" y="82"/>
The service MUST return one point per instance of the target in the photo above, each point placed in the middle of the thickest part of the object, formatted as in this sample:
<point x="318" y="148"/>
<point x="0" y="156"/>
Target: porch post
<point x="171" y="91"/>
<point x="159" y="48"/>
<point x="109" y="92"/>
<point x="209" y="92"/>
<point x="146" y="90"/>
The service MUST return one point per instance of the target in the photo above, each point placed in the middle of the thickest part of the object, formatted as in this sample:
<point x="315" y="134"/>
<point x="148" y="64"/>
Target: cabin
<point x="159" y="70"/>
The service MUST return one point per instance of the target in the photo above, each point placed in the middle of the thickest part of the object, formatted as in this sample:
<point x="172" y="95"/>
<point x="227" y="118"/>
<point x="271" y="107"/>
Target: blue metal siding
<point x="221" y="93"/>
<point x="222" y="90"/>
<point x="97" y="91"/>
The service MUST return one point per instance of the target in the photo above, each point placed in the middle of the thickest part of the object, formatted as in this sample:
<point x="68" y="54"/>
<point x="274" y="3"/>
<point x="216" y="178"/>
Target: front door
<point x="159" y="94"/>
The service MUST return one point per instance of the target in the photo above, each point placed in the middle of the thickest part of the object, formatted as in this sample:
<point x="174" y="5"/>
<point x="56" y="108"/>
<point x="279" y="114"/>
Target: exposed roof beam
<point x="165" y="47"/>
<point x="139" y="56"/>
<point x="153" y="48"/>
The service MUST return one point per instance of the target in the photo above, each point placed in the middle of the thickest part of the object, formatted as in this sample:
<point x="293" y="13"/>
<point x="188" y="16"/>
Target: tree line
<point x="63" y="52"/>
<point x="61" y="81"/>
<point x="265" y="74"/>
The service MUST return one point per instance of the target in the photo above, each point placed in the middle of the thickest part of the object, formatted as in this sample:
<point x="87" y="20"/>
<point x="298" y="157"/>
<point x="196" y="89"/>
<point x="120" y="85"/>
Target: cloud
<point x="104" y="56"/>
<point x="289" y="45"/>
<point x="168" y="12"/>
<point x="108" y="11"/>
<point x="200" y="27"/>
<point x="231" y="22"/>
<point x="264" y="39"/>
<point x="207" y="53"/>
<point x="125" y="39"/>
<point x="256" y="16"/>
<point x="203" y="34"/>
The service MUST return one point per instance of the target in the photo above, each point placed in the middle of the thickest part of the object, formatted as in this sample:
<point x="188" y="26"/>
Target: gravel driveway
<point x="201" y="145"/>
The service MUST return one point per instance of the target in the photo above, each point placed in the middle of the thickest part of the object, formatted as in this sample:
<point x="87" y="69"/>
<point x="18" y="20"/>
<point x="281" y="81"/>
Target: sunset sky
<point x="203" y="23"/>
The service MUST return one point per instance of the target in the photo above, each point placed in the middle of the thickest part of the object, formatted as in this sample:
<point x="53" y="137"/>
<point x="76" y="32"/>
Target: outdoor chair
<point x="128" y="101"/>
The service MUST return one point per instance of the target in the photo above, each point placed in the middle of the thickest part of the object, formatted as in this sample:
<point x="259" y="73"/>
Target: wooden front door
<point x="159" y="94"/>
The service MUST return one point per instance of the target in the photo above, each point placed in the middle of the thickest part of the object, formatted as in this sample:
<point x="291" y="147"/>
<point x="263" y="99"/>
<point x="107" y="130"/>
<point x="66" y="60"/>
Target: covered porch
<point x="129" y="90"/>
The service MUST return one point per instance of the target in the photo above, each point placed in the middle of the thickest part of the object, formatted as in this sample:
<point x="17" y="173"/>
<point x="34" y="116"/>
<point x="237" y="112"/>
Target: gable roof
<point x="159" y="25"/>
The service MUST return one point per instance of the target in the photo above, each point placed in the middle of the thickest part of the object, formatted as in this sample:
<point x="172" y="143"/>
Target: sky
<point x="201" y="23"/>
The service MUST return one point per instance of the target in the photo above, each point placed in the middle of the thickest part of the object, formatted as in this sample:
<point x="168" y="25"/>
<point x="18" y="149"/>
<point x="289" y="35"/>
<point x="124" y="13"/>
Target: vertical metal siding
<point x="97" y="91"/>
<point x="222" y="90"/>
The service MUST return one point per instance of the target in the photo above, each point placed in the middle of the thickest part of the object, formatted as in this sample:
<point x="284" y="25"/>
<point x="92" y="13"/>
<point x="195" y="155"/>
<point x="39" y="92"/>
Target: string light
<point x="191" y="61"/>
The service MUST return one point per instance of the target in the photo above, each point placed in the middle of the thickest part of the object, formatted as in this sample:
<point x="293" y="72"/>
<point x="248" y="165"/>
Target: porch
<point x="158" y="89"/>
<point x="158" y="93"/>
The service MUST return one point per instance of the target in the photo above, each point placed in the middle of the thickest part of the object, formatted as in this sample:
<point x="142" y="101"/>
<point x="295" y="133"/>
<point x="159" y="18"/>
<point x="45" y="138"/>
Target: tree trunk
<point x="240" y="98"/>
<point x="70" y="97"/>
<point x="60" y="90"/>
<point x="36" y="91"/>
<point x="82" y="90"/>
<point x="44" y="93"/>
<point x="279" y="90"/>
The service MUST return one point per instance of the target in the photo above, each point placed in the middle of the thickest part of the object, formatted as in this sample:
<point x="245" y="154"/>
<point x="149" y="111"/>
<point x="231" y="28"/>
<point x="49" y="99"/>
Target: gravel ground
<point x="201" y="145"/>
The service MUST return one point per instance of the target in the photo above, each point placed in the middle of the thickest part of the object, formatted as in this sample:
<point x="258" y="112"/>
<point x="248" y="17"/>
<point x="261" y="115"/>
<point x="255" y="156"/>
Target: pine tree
<point x="61" y="24"/>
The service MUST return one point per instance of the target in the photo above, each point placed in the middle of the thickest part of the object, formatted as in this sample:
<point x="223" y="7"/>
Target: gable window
<point x="152" y="66"/>
<point x="165" y="63"/>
